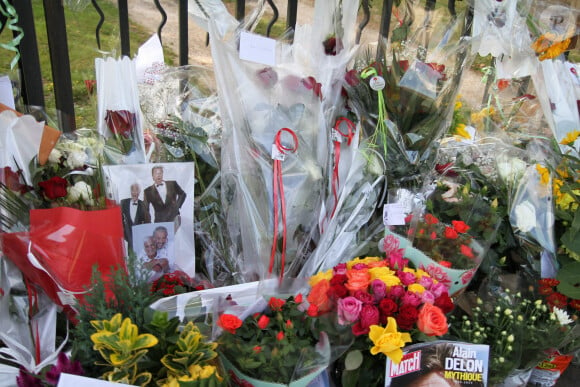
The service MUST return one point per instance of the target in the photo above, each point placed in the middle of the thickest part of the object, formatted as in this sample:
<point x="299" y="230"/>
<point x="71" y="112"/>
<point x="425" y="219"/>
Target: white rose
<point x="54" y="156"/>
<point x="525" y="216"/>
<point x="76" y="159"/>
<point x="511" y="169"/>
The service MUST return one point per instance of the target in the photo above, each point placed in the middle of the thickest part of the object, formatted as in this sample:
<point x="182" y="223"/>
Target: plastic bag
<point x="119" y="115"/>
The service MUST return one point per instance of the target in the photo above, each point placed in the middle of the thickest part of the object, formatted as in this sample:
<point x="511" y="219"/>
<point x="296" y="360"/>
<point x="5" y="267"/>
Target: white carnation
<point x="525" y="216"/>
<point x="81" y="191"/>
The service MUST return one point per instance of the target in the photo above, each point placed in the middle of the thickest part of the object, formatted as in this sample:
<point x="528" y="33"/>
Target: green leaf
<point x="353" y="360"/>
<point x="569" y="277"/>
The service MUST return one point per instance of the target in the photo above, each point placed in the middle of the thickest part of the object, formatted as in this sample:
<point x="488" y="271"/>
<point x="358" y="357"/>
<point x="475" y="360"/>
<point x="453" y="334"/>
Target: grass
<point x="83" y="50"/>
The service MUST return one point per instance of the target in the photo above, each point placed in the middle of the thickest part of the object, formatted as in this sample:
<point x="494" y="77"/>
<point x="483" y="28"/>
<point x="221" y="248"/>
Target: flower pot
<point x="456" y="279"/>
<point x="237" y="378"/>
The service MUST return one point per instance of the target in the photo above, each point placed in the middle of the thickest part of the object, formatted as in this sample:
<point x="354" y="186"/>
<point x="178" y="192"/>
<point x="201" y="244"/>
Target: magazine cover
<point x="440" y="363"/>
<point x="156" y="203"/>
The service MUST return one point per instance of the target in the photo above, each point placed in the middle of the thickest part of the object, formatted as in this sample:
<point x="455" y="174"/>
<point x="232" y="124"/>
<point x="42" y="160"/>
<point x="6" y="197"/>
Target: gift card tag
<point x="559" y="22"/>
<point x="277" y="154"/>
<point x="394" y="214"/>
<point x="256" y="48"/>
<point x="336" y="136"/>
<point x="377" y="83"/>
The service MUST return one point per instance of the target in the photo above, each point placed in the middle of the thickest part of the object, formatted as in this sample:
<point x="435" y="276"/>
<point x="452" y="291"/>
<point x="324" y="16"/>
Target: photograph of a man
<point x="163" y="245"/>
<point x="148" y="258"/>
<point x="134" y="212"/>
<point x="165" y="196"/>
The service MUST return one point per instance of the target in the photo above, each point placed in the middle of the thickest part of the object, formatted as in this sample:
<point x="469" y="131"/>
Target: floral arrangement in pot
<point x="386" y="303"/>
<point x="278" y="346"/>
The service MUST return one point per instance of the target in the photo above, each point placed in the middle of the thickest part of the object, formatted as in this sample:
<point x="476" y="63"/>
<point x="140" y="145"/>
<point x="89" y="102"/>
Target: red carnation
<point x="54" y="188"/>
<point x="545" y="290"/>
<point x="549" y="282"/>
<point x="575" y="304"/>
<point x="557" y="300"/>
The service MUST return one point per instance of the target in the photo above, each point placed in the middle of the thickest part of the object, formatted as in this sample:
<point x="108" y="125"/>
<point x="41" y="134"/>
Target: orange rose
<point x="357" y="280"/>
<point x="318" y="296"/>
<point x="432" y="321"/>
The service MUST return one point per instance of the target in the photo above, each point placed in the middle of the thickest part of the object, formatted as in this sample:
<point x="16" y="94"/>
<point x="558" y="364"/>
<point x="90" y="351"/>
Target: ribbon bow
<point x="279" y="152"/>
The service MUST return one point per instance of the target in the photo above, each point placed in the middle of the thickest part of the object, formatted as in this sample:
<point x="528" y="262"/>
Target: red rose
<point x="276" y="304"/>
<point x="388" y="307"/>
<point x="466" y="250"/>
<point x="121" y="122"/>
<point x="54" y="188"/>
<point x="312" y="310"/>
<point x="364" y="297"/>
<point x="11" y="180"/>
<point x="337" y="291"/>
<point x="289" y="324"/>
<point x="369" y="315"/>
<point x="351" y="78"/>
<point x="257" y="349"/>
<point x="450" y="233"/>
<point x="430" y="219"/>
<point x="263" y="322"/>
<point x="502" y="84"/>
<point x="446" y="264"/>
<point x="330" y="46"/>
<point x="460" y="226"/>
<point x="229" y="322"/>
<point x="298" y="298"/>
<point x="267" y="76"/>
<point x="338" y="279"/>
<point x="280" y="336"/>
<point x="407" y="317"/>
<point x="445" y="303"/>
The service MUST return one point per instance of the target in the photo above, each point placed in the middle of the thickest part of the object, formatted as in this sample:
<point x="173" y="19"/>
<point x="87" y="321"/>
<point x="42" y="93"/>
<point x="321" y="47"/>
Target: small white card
<point x="277" y="154"/>
<point x="394" y="214"/>
<point x="69" y="380"/>
<point x="6" y="96"/>
<point x="257" y="48"/>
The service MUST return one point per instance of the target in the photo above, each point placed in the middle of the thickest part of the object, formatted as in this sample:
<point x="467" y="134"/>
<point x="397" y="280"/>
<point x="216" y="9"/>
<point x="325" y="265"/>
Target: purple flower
<point x="379" y="289"/>
<point x="26" y="379"/>
<point x="411" y="299"/>
<point x="349" y="309"/>
<point x="63" y="365"/>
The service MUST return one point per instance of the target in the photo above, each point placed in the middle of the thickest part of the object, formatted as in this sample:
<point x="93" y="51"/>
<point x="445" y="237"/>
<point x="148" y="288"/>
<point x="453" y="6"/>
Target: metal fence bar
<point x="29" y="64"/>
<point x="124" y="27"/>
<point x="291" y="14"/>
<point x="183" y="33"/>
<point x="59" y="60"/>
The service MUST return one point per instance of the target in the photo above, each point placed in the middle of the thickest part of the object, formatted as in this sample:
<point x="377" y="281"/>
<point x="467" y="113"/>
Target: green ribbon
<point x="7" y="10"/>
<point x="381" y="128"/>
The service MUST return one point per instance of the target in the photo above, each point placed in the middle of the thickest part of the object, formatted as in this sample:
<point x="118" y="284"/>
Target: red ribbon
<point x="32" y="309"/>
<point x="279" y="191"/>
<point x="337" y="139"/>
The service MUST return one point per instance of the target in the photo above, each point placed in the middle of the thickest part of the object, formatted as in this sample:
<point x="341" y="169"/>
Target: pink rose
<point x="426" y="282"/>
<point x="411" y="299"/>
<point x="379" y="289"/>
<point x="369" y="315"/>
<point x="438" y="289"/>
<point x="396" y="292"/>
<point x="427" y="297"/>
<point x="349" y="309"/>
<point x="406" y="277"/>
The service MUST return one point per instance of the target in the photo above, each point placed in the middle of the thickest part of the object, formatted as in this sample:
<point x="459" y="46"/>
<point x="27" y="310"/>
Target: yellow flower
<point x="567" y="201"/>
<point x="549" y="49"/>
<point x="388" y="340"/>
<point x="458" y="104"/>
<point x="319" y="277"/>
<point x="365" y="261"/>
<point x="570" y="137"/>
<point x="416" y="288"/>
<point x="380" y="272"/>
<point x="460" y="131"/>
<point x="544" y="174"/>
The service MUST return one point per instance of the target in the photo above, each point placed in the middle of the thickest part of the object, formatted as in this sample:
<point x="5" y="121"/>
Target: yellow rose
<point x="380" y="272"/>
<point x="416" y="288"/>
<point x="327" y="275"/>
<point x="388" y="340"/>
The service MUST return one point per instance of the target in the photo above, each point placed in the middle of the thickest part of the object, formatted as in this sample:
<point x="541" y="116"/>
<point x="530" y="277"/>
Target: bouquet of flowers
<point x="387" y="305"/>
<point x="518" y="327"/>
<point x="280" y="344"/>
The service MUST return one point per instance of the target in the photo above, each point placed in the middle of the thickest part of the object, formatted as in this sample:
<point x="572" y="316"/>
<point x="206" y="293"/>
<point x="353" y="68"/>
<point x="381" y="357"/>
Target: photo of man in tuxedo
<point x="134" y="212"/>
<point x="166" y="197"/>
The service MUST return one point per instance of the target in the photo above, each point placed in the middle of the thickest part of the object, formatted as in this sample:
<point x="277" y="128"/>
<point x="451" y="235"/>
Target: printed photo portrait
<point x="152" y="196"/>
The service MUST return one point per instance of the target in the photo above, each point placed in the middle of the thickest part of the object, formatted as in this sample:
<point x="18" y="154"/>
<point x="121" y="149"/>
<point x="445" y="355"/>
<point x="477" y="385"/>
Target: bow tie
<point x="134" y="203"/>
<point x="158" y="185"/>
